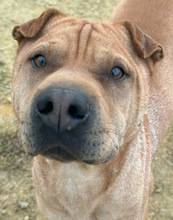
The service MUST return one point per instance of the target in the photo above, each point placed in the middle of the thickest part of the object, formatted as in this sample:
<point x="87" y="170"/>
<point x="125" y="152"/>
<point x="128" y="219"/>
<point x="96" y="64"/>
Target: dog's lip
<point x="51" y="152"/>
<point x="58" y="153"/>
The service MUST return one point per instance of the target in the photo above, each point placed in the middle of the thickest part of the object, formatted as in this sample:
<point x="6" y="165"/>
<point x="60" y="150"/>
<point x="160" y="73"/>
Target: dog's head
<point x="80" y="89"/>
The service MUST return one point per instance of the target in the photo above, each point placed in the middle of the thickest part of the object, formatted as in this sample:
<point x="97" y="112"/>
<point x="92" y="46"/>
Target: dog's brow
<point x="44" y="47"/>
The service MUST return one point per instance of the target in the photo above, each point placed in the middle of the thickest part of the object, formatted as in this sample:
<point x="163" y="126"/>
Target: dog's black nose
<point x="62" y="109"/>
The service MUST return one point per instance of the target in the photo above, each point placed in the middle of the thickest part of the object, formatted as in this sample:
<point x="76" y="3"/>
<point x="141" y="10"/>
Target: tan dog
<point x="94" y="101"/>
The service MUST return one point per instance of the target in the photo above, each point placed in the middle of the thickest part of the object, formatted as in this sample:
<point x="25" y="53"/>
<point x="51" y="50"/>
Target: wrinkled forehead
<point x="84" y="33"/>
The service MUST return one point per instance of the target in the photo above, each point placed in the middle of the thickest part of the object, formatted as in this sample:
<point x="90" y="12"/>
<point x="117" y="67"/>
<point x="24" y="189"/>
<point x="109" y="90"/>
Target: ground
<point x="17" y="200"/>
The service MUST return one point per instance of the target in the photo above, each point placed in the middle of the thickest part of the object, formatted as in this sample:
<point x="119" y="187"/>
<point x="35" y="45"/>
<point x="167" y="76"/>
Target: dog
<point x="94" y="101"/>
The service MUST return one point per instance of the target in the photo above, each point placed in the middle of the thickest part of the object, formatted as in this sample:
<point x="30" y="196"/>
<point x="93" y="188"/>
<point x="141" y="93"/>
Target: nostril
<point x="76" y="112"/>
<point x="45" y="107"/>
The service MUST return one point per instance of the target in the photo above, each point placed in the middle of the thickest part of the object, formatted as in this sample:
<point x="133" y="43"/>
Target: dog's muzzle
<point x="61" y="121"/>
<point x="66" y="124"/>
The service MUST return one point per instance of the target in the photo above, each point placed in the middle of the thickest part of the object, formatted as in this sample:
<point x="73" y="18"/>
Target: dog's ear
<point x="145" y="46"/>
<point x="31" y="28"/>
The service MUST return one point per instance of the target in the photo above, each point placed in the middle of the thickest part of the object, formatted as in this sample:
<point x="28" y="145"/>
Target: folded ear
<point x="32" y="28"/>
<point x="145" y="46"/>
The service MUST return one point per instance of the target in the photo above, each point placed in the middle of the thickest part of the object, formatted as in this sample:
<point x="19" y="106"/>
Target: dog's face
<point x="80" y="89"/>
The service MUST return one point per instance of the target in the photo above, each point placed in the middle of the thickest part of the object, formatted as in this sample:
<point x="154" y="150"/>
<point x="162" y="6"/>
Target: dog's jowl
<point x="94" y="101"/>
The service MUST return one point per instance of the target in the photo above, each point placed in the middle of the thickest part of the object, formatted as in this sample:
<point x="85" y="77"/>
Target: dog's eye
<point x="116" y="74"/>
<point x="39" y="61"/>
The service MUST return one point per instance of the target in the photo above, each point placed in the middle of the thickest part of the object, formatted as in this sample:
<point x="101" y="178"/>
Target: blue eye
<point x="117" y="73"/>
<point x="39" y="61"/>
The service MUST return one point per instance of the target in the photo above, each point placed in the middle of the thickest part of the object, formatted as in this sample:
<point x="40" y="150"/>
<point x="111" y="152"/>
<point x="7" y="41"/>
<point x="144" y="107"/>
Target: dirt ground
<point x="17" y="200"/>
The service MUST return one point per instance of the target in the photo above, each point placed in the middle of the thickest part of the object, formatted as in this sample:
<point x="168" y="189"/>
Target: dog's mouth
<point x="57" y="153"/>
